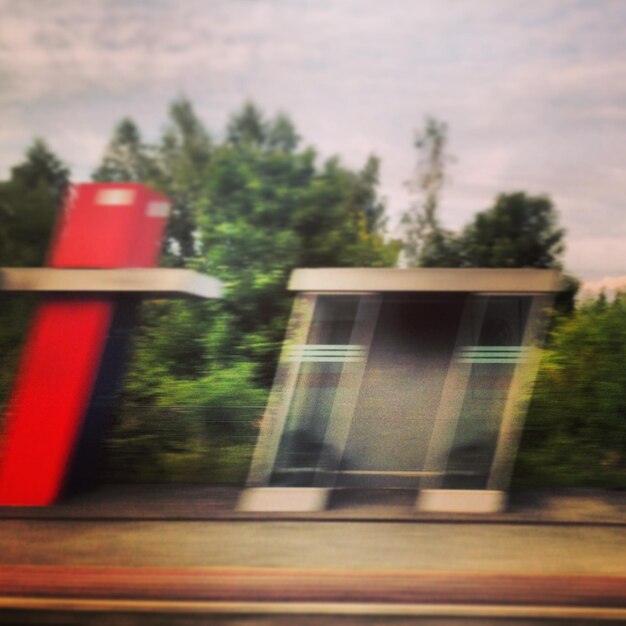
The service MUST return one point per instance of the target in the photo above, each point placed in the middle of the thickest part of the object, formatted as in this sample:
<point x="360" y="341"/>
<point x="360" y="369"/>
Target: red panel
<point x="110" y="225"/>
<point x="51" y="391"/>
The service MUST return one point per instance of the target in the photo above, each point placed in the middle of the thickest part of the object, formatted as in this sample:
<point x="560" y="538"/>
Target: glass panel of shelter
<point x="329" y="368"/>
<point x="491" y="349"/>
<point x="404" y="390"/>
<point x="283" y="389"/>
<point x="495" y="351"/>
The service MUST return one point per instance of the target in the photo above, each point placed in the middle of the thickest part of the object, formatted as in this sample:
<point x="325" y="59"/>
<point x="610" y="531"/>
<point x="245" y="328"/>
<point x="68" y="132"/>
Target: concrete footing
<point x="286" y="499"/>
<point x="460" y="501"/>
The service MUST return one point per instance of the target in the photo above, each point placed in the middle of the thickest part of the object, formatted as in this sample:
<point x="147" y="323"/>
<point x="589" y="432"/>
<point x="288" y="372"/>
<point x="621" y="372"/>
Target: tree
<point x="45" y="169"/>
<point x="185" y="153"/>
<point x="421" y="222"/>
<point x="127" y="158"/>
<point x="518" y="231"/>
<point x="268" y="210"/>
<point x="247" y="127"/>
<point x="281" y="134"/>
<point x="29" y="203"/>
<point x="442" y="248"/>
<point x="575" y="432"/>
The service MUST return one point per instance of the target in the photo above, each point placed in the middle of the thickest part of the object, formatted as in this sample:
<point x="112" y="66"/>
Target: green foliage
<point x="267" y="211"/>
<point x="15" y="313"/>
<point x="184" y="416"/>
<point x="191" y="430"/>
<point x="442" y="248"/>
<point x="575" y="433"/>
<point x="29" y="202"/>
<point x="517" y="231"/>
<point x="127" y="158"/>
<point x="247" y="127"/>
<point x="184" y="158"/>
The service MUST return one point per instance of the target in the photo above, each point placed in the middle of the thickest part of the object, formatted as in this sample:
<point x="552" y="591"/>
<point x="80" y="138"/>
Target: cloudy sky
<point x="534" y="93"/>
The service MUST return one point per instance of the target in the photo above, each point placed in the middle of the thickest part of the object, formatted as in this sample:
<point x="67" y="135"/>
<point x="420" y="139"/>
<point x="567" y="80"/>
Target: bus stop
<point x="401" y="379"/>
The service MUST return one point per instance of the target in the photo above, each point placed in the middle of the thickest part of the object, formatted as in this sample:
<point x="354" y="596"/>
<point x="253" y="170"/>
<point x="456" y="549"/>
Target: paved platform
<point x="201" y="502"/>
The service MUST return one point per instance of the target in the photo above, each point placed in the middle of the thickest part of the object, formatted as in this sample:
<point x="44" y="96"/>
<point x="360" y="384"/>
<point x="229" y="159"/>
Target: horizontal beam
<point x="414" y="280"/>
<point x="158" y="283"/>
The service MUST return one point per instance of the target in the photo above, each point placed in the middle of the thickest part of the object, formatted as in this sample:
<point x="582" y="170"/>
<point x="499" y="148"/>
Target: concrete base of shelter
<point x="461" y="501"/>
<point x="284" y="499"/>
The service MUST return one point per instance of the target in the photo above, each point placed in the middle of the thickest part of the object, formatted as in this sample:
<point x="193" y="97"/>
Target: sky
<point x="533" y="93"/>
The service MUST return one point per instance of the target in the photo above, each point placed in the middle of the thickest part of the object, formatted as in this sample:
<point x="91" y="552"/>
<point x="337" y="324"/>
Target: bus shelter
<point x="401" y="379"/>
<point x="101" y="263"/>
